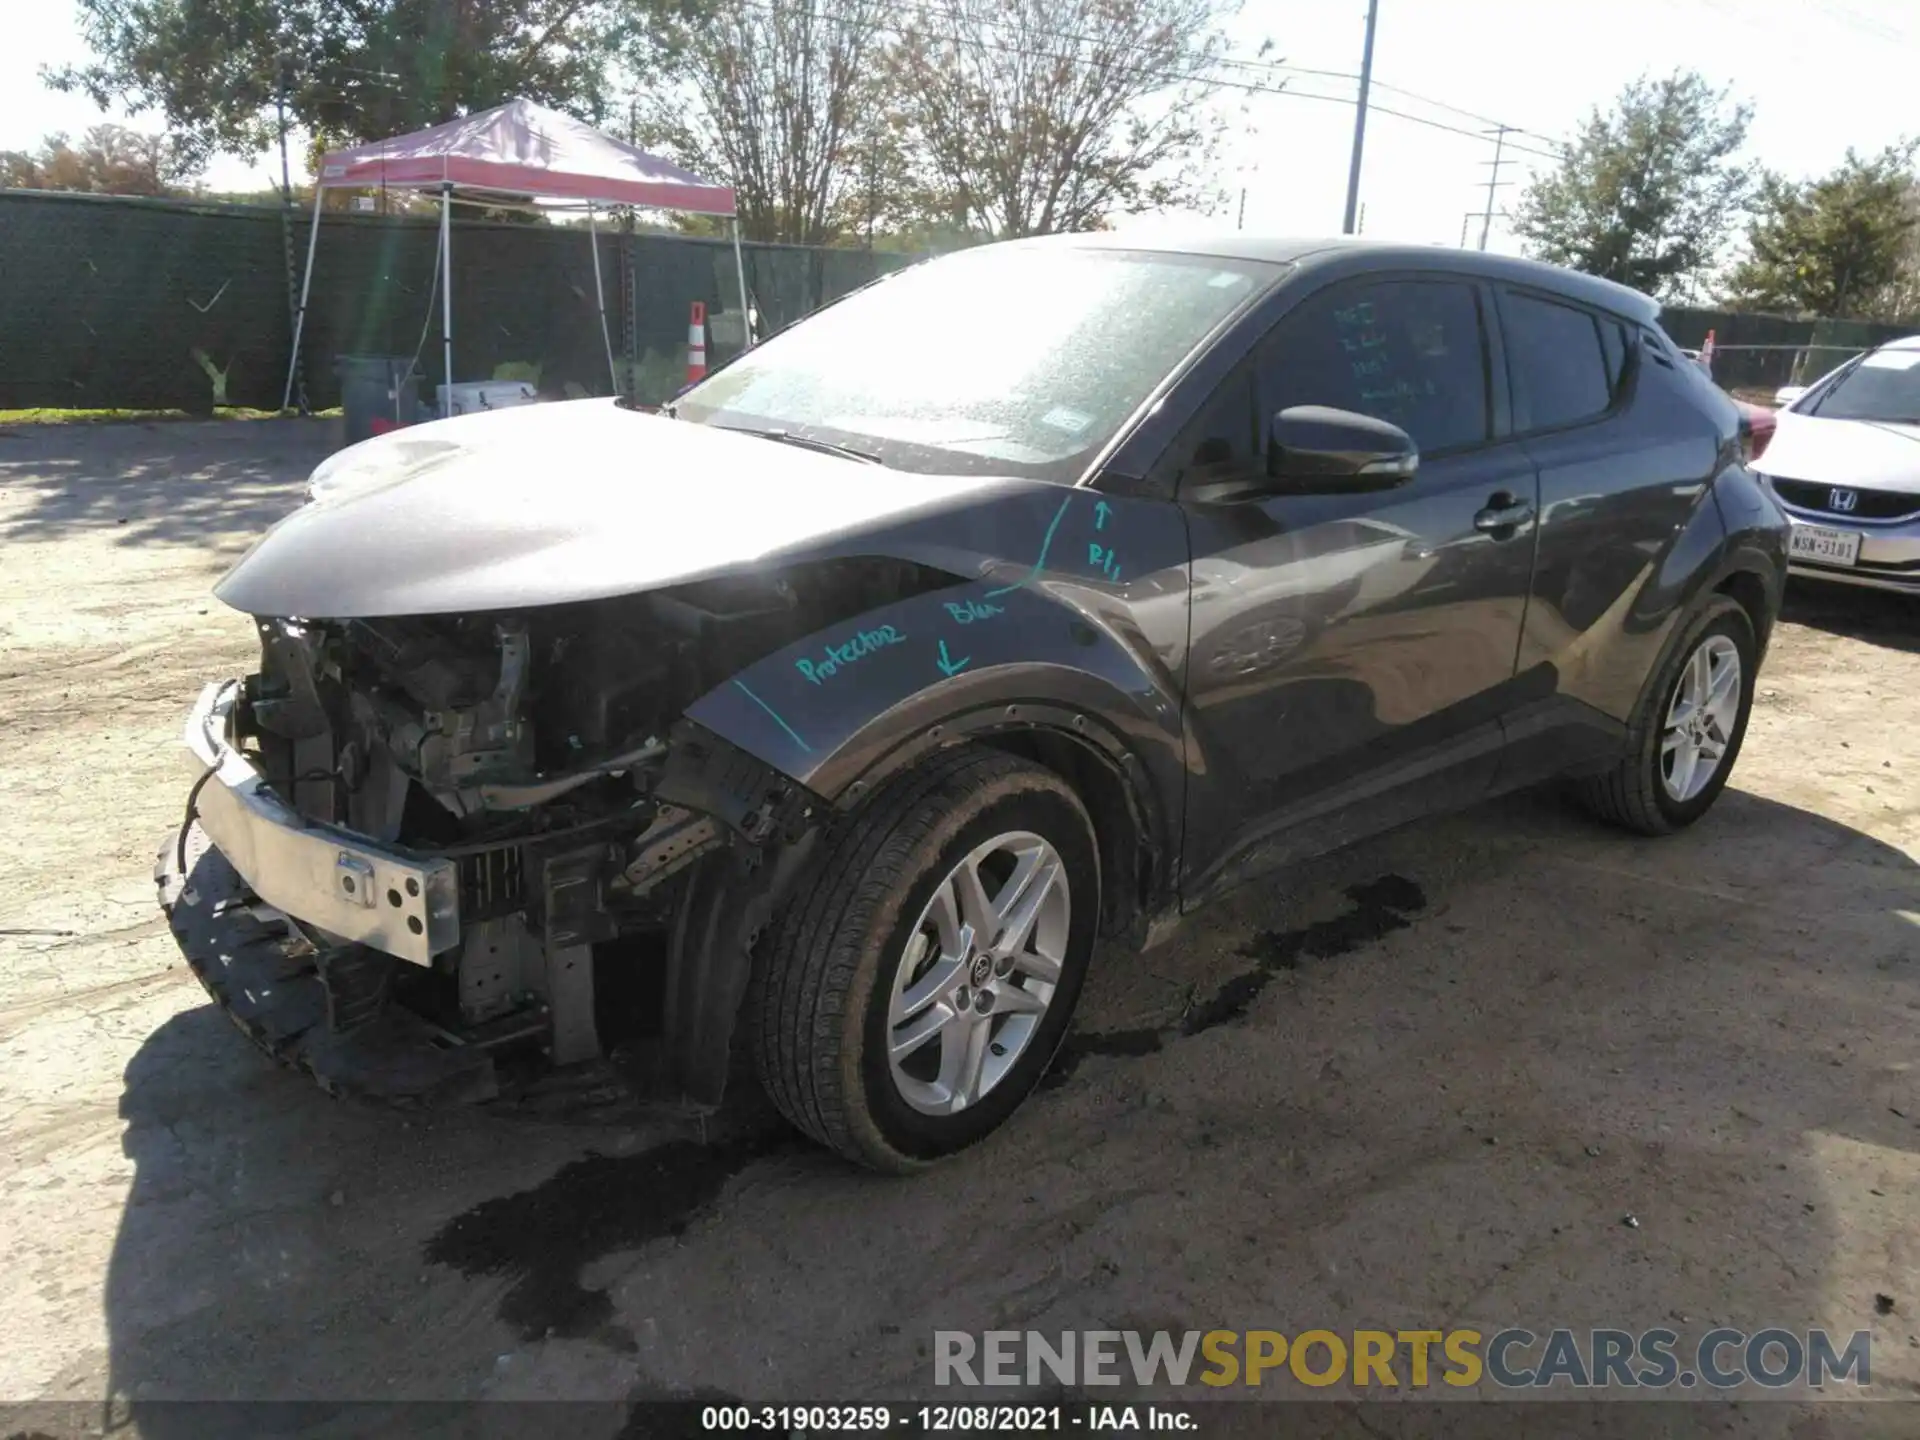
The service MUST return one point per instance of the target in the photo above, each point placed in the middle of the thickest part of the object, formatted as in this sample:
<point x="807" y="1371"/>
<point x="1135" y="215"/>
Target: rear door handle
<point x="1503" y="516"/>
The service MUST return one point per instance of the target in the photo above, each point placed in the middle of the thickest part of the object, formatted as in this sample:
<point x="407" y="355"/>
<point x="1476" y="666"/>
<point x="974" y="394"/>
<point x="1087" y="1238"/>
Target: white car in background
<point x="1845" y="465"/>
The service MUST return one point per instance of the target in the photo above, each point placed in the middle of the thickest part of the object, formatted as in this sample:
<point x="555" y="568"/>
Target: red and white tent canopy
<point x="517" y="149"/>
<point x="521" y="148"/>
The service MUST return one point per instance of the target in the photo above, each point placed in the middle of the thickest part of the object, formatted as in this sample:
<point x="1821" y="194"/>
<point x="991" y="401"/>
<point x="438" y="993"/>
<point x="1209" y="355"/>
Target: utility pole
<point x="1465" y="220"/>
<point x="283" y="76"/>
<point x="1241" y="223"/>
<point x="1493" y="179"/>
<point x="1360" y="225"/>
<point x="1360" y="122"/>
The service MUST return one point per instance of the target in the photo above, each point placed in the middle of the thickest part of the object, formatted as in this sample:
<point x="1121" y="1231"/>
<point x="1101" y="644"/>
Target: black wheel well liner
<point x="1747" y="585"/>
<point x="1131" y="869"/>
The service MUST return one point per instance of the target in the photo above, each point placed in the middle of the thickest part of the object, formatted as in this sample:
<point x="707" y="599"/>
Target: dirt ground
<point x="1471" y="1052"/>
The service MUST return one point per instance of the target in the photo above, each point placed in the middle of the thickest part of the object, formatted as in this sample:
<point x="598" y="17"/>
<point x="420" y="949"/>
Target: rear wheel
<point x="924" y="976"/>
<point x="1684" y="739"/>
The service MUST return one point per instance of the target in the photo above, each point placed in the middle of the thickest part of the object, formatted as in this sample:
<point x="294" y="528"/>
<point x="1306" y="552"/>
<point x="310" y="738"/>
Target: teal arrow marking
<point x="950" y="666"/>
<point x="1100" y="512"/>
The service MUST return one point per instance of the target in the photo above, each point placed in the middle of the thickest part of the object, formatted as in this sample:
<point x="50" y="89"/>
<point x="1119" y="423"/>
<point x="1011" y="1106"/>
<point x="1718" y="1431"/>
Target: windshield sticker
<point x="856" y="647"/>
<point x="1891" y="360"/>
<point x="1225" y="278"/>
<point x="1062" y="417"/>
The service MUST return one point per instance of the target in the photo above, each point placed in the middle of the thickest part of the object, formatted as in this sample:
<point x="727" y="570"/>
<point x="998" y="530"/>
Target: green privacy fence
<point x="129" y="303"/>
<point x="1767" y="351"/>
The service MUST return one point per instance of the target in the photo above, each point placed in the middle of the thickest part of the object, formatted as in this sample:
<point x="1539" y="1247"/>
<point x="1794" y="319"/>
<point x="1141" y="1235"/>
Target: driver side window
<point x="1410" y="352"/>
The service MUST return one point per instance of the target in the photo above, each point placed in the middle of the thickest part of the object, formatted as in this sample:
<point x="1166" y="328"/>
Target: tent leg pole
<point x="300" y="316"/>
<point x="746" y="307"/>
<point x="446" y="295"/>
<point x="600" y="299"/>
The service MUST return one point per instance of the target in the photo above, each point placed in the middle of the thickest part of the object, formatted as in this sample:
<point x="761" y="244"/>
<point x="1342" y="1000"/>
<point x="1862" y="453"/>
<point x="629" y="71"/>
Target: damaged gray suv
<point x="817" y="727"/>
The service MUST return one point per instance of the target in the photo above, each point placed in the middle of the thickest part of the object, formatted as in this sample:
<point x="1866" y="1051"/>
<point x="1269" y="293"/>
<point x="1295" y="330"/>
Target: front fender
<point x="841" y="709"/>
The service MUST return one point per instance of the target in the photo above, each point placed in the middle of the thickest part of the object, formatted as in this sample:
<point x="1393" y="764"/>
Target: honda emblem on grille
<point x="1842" y="502"/>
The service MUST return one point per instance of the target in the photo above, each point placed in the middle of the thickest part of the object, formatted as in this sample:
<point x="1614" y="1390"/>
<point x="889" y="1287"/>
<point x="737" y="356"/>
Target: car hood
<point x="1863" y="454"/>
<point x="545" y="504"/>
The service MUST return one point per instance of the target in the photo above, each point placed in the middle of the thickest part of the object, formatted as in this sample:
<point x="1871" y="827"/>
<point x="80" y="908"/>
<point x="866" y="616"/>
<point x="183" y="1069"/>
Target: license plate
<point x="1825" y="545"/>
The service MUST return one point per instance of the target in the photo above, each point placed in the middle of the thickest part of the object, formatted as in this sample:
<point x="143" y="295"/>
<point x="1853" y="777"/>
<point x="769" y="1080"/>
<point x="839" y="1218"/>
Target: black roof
<point x="1313" y="252"/>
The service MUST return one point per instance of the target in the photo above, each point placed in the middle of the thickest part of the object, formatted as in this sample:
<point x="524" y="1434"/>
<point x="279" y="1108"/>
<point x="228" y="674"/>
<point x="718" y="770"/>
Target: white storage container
<point x="472" y="396"/>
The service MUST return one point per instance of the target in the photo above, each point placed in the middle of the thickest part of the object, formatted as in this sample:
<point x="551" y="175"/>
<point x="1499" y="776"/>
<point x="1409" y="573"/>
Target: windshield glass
<point x="1884" y="386"/>
<point x="1015" y="360"/>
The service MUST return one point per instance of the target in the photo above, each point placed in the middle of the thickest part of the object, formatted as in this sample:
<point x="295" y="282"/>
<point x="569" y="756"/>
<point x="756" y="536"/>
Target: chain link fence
<point x="119" y="302"/>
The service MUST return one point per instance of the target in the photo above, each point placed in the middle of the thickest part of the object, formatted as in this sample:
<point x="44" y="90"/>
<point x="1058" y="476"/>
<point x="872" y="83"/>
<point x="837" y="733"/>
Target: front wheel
<point x="925" y="974"/>
<point x="1683" y="740"/>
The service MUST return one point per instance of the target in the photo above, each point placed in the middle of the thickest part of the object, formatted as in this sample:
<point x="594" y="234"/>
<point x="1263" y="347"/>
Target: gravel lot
<point x="1473" y="1051"/>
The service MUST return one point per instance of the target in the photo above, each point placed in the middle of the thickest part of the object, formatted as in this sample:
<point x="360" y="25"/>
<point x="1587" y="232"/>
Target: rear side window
<point x="1561" y="371"/>
<point x="1613" y="340"/>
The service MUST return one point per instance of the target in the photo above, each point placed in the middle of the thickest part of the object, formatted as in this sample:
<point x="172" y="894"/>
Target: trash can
<point x="378" y="393"/>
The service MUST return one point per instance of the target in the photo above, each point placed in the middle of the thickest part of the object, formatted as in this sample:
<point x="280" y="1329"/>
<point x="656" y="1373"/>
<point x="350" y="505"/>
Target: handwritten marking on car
<point x="950" y="666"/>
<point x="1040" y="564"/>
<point x="778" y="719"/>
<point x="856" y="647"/>
<point x="970" y="612"/>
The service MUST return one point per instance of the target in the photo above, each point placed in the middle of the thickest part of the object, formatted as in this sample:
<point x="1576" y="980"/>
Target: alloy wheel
<point x="978" y="973"/>
<point x="1700" y="718"/>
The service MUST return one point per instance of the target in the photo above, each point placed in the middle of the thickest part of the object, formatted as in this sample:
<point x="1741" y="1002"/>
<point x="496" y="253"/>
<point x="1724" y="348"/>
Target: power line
<point x="949" y="12"/>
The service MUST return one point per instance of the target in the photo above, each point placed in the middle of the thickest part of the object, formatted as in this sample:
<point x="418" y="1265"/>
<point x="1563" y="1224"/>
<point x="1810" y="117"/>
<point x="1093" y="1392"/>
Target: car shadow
<point x="1875" y="617"/>
<point x="214" y="484"/>
<point x="1509" y="1068"/>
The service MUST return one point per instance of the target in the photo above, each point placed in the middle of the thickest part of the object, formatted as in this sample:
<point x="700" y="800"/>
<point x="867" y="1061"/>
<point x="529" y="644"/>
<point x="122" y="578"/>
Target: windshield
<point x="1884" y="386"/>
<point x="1010" y="359"/>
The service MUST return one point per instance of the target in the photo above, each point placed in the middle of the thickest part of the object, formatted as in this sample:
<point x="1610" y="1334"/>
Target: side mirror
<point x="1787" y="394"/>
<point x="1315" y="449"/>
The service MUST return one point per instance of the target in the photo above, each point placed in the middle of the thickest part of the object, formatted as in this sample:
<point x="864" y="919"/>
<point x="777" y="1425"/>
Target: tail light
<point x="1756" y="432"/>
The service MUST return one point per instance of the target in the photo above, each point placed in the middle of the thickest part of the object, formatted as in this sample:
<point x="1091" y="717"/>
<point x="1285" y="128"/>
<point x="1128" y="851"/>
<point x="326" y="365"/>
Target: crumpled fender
<point x="1058" y="645"/>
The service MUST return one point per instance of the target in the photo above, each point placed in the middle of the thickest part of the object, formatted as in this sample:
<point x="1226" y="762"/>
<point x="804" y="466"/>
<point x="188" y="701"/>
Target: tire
<point x="1636" y="794"/>
<point x="837" y="979"/>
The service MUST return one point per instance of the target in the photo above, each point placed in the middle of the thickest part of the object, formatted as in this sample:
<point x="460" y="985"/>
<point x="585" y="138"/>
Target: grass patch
<point x="53" y="416"/>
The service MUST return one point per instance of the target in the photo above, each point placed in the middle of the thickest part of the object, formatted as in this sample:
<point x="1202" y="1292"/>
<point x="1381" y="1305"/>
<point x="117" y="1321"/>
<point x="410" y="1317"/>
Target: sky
<point x="1822" y="75"/>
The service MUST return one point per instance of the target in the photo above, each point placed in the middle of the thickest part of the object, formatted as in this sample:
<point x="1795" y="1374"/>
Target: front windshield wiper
<point x="807" y="442"/>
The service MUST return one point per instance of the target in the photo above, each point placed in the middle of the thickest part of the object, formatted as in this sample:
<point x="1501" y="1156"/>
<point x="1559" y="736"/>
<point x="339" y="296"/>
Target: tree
<point x="1648" y="191"/>
<point x="1899" y="299"/>
<point x="774" y="97"/>
<point x="1034" y="116"/>
<point x="109" y="160"/>
<point x="1831" y="246"/>
<point x="357" y="69"/>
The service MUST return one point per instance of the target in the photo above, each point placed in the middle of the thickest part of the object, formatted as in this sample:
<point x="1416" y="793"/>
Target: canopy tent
<point x="517" y="150"/>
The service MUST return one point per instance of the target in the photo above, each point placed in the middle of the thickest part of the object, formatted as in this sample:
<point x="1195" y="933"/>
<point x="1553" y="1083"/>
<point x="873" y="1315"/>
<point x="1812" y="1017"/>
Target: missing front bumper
<point x="340" y="883"/>
<point x="266" y="976"/>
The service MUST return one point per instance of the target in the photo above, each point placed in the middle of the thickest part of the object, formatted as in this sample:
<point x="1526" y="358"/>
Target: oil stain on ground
<point x="594" y="1206"/>
<point x="1379" y="908"/>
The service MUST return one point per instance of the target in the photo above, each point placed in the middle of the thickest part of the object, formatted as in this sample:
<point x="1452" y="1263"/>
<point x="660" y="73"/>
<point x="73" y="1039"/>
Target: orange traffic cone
<point x="697" y="343"/>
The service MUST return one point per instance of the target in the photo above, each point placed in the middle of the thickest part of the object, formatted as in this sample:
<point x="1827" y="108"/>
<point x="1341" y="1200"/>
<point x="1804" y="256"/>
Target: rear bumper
<point x="268" y="978"/>
<point x="340" y="883"/>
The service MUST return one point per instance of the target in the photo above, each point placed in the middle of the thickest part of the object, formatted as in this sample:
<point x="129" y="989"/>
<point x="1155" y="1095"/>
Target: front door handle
<point x="1504" y="515"/>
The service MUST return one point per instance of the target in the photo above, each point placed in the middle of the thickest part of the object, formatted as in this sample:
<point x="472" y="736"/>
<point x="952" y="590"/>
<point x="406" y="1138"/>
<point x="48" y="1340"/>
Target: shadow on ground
<point x="1876" y="617"/>
<point x="209" y="482"/>
<point x="1507" y="1069"/>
